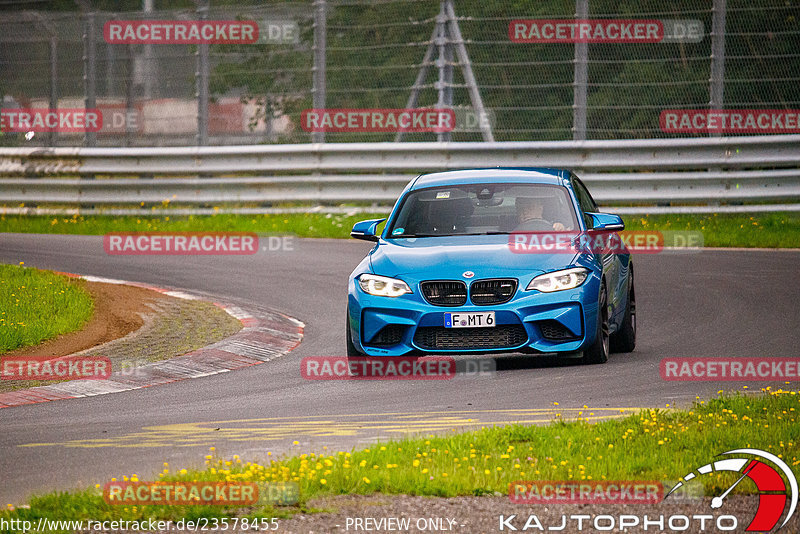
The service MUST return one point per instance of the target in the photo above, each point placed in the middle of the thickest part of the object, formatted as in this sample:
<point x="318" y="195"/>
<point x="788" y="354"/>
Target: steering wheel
<point x="534" y="225"/>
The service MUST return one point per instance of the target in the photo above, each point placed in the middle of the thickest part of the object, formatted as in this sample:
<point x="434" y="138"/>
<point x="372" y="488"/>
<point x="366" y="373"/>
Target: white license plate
<point x="469" y="320"/>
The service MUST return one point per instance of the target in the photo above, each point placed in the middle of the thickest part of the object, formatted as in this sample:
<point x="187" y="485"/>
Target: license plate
<point x="469" y="320"/>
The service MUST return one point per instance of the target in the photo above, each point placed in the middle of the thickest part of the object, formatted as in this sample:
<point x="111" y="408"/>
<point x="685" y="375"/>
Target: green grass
<point x="37" y="305"/>
<point x="301" y="225"/>
<point x="761" y="230"/>
<point x="649" y="445"/>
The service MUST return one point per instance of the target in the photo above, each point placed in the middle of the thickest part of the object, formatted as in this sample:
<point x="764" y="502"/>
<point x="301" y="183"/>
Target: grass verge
<point x="299" y="224"/>
<point x="180" y="326"/>
<point x="649" y="445"/>
<point x="762" y="230"/>
<point x="37" y="305"/>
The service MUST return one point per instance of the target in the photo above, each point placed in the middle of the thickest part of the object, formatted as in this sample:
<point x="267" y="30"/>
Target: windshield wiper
<point x="416" y="235"/>
<point x="493" y="232"/>
<point x="449" y="235"/>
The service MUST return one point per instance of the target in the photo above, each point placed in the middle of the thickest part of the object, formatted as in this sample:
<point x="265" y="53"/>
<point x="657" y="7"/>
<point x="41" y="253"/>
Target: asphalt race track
<point x="710" y="303"/>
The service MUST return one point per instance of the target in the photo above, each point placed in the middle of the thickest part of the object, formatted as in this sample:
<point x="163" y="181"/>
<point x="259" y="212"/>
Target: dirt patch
<point x="132" y="327"/>
<point x="117" y="312"/>
<point x="173" y="327"/>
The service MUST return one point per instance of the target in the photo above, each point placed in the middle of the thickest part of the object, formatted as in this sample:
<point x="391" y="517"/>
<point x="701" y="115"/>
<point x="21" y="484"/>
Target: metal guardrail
<point x="763" y="169"/>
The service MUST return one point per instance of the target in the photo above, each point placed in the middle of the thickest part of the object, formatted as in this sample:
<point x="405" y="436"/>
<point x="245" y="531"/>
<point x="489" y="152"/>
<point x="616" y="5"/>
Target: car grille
<point x="501" y="336"/>
<point x="484" y="292"/>
<point x="555" y="331"/>
<point x="389" y="335"/>
<point x="445" y="292"/>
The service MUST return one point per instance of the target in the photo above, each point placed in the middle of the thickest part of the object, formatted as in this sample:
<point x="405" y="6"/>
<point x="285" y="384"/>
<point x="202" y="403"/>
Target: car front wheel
<point x="597" y="352"/>
<point x="625" y="339"/>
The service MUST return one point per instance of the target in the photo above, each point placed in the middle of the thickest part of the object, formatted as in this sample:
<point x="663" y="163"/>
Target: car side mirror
<point x="606" y="221"/>
<point x="366" y="230"/>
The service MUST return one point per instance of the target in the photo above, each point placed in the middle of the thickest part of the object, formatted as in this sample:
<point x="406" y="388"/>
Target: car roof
<point x="528" y="175"/>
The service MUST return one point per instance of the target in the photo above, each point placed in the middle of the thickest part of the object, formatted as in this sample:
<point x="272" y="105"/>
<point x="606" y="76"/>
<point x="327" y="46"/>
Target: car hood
<point x="449" y="257"/>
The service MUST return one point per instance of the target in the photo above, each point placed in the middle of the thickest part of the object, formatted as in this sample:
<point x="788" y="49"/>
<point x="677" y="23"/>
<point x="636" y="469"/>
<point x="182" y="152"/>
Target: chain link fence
<point x="397" y="54"/>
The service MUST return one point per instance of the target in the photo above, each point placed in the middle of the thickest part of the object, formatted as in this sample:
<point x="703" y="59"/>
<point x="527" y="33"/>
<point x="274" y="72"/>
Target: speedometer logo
<point x="772" y="491"/>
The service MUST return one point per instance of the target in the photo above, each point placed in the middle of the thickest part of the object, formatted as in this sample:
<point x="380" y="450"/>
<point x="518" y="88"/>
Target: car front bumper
<point x="561" y="322"/>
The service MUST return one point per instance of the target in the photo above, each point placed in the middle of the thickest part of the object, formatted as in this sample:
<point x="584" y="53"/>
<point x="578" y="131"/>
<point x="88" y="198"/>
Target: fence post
<point x="53" y="83"/>
<point x="129" y="95"/>
<point x="148" y="58"/>
<point x="318" y="88"/>
<point x="717" y="80"/>
<point x="89" y="70"/>
<point x="581" y="77"/>
<point x="201" y="79"/>
<point x="111" y="62"/>
<point x="444" y="84"/>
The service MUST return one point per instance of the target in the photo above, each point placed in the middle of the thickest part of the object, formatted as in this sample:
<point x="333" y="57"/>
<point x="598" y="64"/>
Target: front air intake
<point x="497" y="291"/>
<point x="444" y="292"/>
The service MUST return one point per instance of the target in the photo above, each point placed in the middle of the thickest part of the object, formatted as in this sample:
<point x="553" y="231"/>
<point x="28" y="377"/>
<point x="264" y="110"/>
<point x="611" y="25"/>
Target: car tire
<point x="598" y="351"/>
<point x="352" y="351"/>
<point x="625" y="339"/>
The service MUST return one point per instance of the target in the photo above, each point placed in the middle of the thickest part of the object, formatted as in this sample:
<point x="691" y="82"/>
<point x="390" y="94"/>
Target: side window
<point x="585" y="200"/>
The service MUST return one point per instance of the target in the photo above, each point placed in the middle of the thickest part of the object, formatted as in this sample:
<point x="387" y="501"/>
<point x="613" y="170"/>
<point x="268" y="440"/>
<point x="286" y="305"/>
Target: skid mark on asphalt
<point x="386" y="425"/>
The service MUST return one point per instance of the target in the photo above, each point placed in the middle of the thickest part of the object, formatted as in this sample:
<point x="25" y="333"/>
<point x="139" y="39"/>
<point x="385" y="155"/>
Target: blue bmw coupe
<point x="445" y="278"/>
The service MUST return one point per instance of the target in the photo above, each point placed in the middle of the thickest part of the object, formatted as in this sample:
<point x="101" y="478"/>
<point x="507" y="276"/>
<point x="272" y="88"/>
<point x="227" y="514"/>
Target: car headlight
<point x="559" y="280"/>
<point x="382" y="286"/>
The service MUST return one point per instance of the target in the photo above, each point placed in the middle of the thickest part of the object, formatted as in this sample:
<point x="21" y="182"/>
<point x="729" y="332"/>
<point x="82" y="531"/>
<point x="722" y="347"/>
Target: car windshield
<point x="484" y="209"/>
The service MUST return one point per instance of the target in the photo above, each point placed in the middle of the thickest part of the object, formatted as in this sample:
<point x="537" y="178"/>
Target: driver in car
<point x="529" y="214"/>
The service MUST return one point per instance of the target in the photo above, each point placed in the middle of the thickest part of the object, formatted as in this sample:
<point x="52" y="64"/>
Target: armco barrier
<point x="699" y="171"/>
